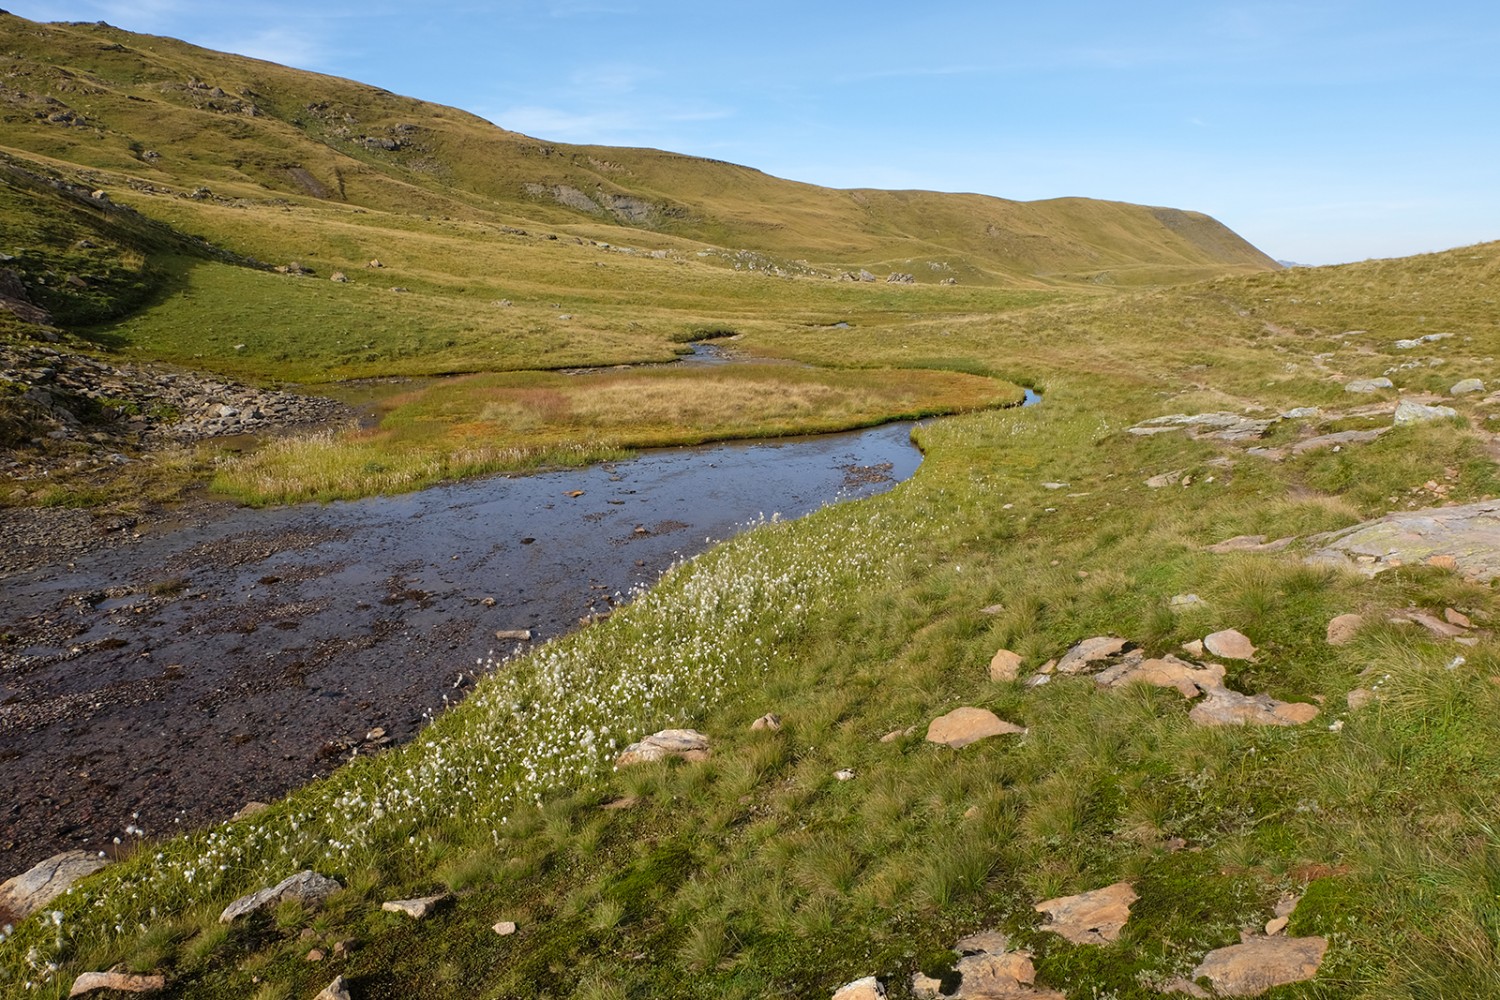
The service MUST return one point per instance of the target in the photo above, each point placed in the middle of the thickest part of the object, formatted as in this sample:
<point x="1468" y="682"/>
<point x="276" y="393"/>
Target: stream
<point x="236" y="654"/>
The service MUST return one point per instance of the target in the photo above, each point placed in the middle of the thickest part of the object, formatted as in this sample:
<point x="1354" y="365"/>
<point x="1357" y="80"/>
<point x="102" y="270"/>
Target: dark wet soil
<point x="161" y="674"/>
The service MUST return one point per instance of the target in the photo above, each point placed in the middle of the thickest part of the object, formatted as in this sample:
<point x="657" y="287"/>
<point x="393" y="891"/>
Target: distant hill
<point x="168" y="118"/>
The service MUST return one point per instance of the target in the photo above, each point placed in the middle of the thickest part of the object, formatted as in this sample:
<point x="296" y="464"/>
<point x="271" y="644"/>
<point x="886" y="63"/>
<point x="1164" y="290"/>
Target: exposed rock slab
<point x="1251" y="968"/>
<point x="1218" y="426"/>
<point x="685" y="744"/>
<point x="966" y="725"/>
<point x="306" y="887"/>
<point x="1224" y="707"/>
<point x="1469" y="535"/>
<point x="1409" y="412"/>
<point x="43" y="882"/>
<point x="988" y="970"/>
<point x="1250" y="543"/>
<point x="1367" y="385"/>
<point x="1337" y="440"/>
<point x="1168" y="671"/>
<point x="1090" y="651"/>
<point x="119" y="982"/>
<point x="1094" y="917"/>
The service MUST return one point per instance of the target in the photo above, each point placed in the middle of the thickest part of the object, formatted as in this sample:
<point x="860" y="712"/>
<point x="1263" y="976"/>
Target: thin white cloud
<point x="300" y="49"/>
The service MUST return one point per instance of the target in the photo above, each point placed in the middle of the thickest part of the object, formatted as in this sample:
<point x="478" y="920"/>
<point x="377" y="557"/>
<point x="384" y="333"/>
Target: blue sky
<point x="1321" y="131"/>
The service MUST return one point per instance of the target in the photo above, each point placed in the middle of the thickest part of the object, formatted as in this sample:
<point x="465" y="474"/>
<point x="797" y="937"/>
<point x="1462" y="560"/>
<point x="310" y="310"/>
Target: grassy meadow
<point x="757" y="873"/>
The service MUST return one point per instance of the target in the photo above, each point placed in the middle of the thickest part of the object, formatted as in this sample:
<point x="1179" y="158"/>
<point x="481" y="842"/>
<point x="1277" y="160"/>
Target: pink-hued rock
<point x="1230" y="644"/>
<point x="1167" y="672"/>
<point x="868" y="988"/>
<point x="1223" y="707"/>
<point x="963" y="726"/>
<point x="1005" y="666"/>
<point x="120" y="982"/>
<point x="1094" y="917"/>
<point x="1078" y="659"/>
<point x="1251" y="968"/>
<point x="1342" y="629"/>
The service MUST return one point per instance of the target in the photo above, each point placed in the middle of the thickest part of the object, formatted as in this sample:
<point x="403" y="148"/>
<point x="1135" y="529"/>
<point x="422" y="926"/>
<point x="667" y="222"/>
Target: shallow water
<point x="239" y="654"/>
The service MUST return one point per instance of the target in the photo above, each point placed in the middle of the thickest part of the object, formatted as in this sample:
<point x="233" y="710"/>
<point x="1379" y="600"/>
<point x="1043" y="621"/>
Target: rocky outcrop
<point x="1465" y="538"/>
<point x="1166" y="672"/>
<point x="1215" y="426"/>
<point x="1410" y="412"/>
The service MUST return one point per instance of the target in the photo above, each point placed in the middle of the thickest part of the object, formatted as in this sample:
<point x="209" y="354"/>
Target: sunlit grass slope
<point x="758" y="873"/>
<point x="156" y="113"/>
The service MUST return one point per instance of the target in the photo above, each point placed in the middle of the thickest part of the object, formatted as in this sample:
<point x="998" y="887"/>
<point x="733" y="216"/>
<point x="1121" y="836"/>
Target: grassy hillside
<point x="164" y="116"/>
<point x="760" y="873"/>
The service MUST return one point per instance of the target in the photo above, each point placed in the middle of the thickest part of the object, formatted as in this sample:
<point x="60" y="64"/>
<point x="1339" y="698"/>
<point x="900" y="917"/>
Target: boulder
<point x="1229" y="644"/>
<point x="1466" y="386"/>
<point x="505" y="928"/>
<point x="1094" y="917"/>
<point x="1090" y="651"/>
<point x="868" y="988"/>
<point x="306" y="887"/>
<point x="418" y="908"/>
<point x="1367" y="384"/>
<point x="1408" y="412"/>
<point x="1342" y="629"/>
<point x="684" y="744"/>
<point x="43" y="882"/>
<point x="1224" y="707"/>
<point x="963" y="726"/>
<point x="119" y="982"/>
<point x="770" y="722"/>
<point x="1463" y="538"/>
<point x="1254" y="966"/>
<point x="1005" y="666"/>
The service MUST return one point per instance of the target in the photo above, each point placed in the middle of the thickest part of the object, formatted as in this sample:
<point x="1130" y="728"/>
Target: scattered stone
<point x="899" y="278"/>
<point x="418" y="909"/>
<point x="1359" y="698"/>
<point x="306" y="887"/>
<point x="1409" y="412"/>
<point x="1466" y="386"/>
<point x="684" y="744"/>
<point x="1090" y="651"/>
<point x="1186" y="602"/>
<point x="1456" y="617"/>
<point x="1230" y="644"/>
<point x="505" y="928"/>
<point x="375" y="263"/>
<point x="1167" y="672"/>
<point x="1094" y="917"/>
<point x="1055" y="486"/>
<point x="249" y="809"/>
<point x="993" y="609"/>
<point x="1284" y="907"/>
<point x="963" y="726"/>
<point x="1464" y="538"/>
<point x="1005" y="665"/>
<point x="896" y="734"/>
<point x="1437" y="626"/>
<point x="339" y="276"/>
<point x="1224" y="707"/>
<point x="514" y="634"/>
<point x="1165" y="479"/>
<point x="120" y="982"/>
<point x="868" y="988"/>
<point x="336" y="990"/>
<point x="1194" y="648"/>
<point x="344" y="948"/>
<point x="315" y="955"/>
<point x="1303" y="413"/>
<point x="623" y="802"/>
<point x="1367" y="384"/>
<point x="844" y="774"/>
<point x="39" y="885"/>
<point x="770" y="722"/>
<point x="1254" y="966"/>
<point x="1342" y="629"/>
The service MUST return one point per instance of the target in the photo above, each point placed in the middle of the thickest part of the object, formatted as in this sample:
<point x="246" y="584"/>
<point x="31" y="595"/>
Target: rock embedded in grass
<point x="868" y="988"/>
<point x="418" y="908"/>
<point x="306" y="887"/>
<point x="1166" y="672"/>
<point x="336" y="990"/>
<point x="505" y="928"/>
<point x="1093" y="917"/>
<point x="1463" y="538"/>
<point x="1090" y="651"/>
<point x="116" y="982"/>
<point x="1465" y="386"/>
<point x="1366" y="385"/>
<point x="39" y="885"/>
<point x="770" y="722"/>
<point x="1252" y="967"/>
<point x="1224" y="707"/>
<point x="1230" y="644"/>
<point x="966" y="725"/>
<point x="1409" y="412"/>
<point x="1005" y="665"/>
<point x="1342" y="629"/>
<point x="684" y="744"/>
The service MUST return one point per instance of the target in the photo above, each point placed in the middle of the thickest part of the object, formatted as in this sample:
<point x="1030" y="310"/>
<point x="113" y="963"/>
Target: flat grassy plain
<point x="757" y="873"/>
